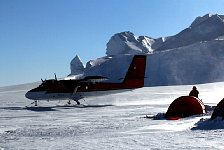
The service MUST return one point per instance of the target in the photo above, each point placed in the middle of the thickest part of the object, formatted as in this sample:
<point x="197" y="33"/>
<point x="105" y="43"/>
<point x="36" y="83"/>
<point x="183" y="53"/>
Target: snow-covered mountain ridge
<point x="194" y="55"/>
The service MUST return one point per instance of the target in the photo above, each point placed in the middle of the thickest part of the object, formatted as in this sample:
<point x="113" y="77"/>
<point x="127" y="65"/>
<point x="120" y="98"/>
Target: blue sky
<point x="40" y="37"/>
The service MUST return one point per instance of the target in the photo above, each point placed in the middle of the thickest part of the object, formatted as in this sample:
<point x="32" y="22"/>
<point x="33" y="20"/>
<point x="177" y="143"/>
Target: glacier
<point x="193" y="56"/>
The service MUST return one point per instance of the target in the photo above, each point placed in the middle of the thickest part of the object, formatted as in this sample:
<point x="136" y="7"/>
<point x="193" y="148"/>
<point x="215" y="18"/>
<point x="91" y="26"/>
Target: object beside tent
<point x="185" y="106"/>
<point x="219" y="110"/>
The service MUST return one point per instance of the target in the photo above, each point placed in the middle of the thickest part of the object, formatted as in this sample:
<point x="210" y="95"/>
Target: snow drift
<point x="193" y="56"/>
<point x="219" y="111"/>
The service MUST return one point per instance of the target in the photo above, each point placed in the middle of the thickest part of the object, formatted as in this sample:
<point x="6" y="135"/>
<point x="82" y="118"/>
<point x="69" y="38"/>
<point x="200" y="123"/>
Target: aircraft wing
<point x="94" y="79"/>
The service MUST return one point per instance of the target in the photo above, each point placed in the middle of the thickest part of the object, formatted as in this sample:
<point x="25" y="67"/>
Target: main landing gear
<point x="35" y="103"/>
<point x="69" y="102"/>
<point x="78" y="103"/>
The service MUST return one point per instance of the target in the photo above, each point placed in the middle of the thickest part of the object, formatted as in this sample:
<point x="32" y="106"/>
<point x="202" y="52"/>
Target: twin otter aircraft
<point x="89" y="86"/>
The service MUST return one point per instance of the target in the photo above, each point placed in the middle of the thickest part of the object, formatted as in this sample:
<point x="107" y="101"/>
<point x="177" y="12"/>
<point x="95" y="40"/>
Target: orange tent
<point x="219" y="110"/>
<point x="185" y="106"/>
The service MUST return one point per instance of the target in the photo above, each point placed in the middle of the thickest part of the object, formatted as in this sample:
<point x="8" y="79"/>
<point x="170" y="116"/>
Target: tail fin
<point x="136" y="72"/>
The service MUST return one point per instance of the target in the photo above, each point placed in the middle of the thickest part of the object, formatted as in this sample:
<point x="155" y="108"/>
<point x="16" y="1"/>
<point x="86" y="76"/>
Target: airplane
<point x="54" y="89"/>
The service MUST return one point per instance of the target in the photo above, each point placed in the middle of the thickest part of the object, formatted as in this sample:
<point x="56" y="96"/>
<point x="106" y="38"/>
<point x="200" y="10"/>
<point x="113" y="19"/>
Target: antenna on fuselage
<point x="55" y="76"/>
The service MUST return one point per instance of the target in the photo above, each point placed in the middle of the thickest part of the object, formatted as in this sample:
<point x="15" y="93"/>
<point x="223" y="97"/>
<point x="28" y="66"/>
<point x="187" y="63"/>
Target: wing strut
<point x="76" y="97"/>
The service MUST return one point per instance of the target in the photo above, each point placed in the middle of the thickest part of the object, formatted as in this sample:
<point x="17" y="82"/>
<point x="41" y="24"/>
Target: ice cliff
<point x="76" y="66"/>
<point x="194" y="55"/>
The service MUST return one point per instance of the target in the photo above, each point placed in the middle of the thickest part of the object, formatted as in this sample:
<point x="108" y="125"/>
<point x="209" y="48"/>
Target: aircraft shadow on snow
<point x="30" y="108"/>
<point x="53" y="108"/>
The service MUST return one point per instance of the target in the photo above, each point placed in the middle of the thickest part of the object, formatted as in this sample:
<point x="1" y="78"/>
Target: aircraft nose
<point x="29" y="95"/>
<point x="35" y="95"/>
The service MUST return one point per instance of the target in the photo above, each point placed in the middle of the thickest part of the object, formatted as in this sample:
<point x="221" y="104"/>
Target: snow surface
<point x="109" y="122"/>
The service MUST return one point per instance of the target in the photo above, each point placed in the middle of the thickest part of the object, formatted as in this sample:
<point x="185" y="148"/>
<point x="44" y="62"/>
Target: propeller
<point x="43" y="80"/>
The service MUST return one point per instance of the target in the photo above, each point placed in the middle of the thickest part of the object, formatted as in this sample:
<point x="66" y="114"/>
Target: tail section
<point x="136" y="72"/>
